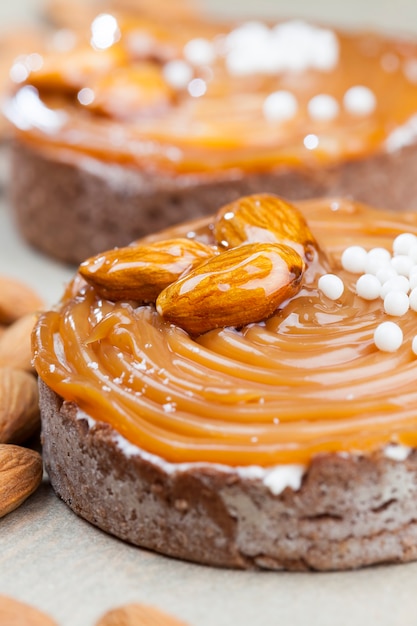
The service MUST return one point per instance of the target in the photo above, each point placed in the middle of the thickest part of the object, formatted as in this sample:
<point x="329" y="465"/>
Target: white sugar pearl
<point x="280" y="106"/>
<point x="388" y="337"/>
<point x="385" y="273"/>
<point x="177" y="73"/>
<point x="396" y="303"/>
<point x="353" y="259"/>
<point x="359" y="100"/>
<point x="412" y="252"/>
<point x="368" y="287"/>
<point x="397" y="283"/>
<point x="376" y="259"/>
<point x="402" y="243"/>
<point x="402" y="263"/>
<point x="323" y="107"/>
<point x="413" y="299"/>
<point x="413" y="280"/>
<point x="331" y="285"/>
<point x="199" y="51"/>
<point x="379" y="254"/>
<point x="414" y="345"/>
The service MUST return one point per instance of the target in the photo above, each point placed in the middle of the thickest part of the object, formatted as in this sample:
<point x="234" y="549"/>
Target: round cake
<point x="127" y="125"/>
<point x="240" y="390"/>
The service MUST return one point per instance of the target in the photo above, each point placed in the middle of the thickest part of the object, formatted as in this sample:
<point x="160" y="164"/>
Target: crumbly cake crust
<point x="350" y="511"/>
<point x="72" y="211"/>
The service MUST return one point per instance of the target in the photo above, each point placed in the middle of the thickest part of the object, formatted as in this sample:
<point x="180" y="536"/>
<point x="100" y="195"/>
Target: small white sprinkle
<point x="197" y="87"/>
<point x="413" y="280"/>
<point x="396" y="303"/>
<point x="412" y="253"/>
<point x="85" y="96"/>
<point x="396" y="283"/>
<point x="323" y="107"/>
<point x="178" y="73"/>
<point x="331" y="286"/>
<point x="414" y="345"/>
<point x="280" y="106"/>
<point x="199" y="51"/>
<point x="402" y="264"/>
<point x="385" y="273"/>
<point x="359" y="100"/>
<point x="18" y="72"/>
<point x="353" y="259"/>
<point x="413" y="299"/>
<point x="402" y="243"/>
<point x="373" y="265"/>
<point x="311" y="142"/>
<point x="368" y="287"/>
<point x="379" y="254"/>
<point x="388" y="337"/>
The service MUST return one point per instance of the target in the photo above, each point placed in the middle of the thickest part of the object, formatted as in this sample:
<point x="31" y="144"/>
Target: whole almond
<point x="16" y="613"/>
<point x="16" y="299"/>
<point x="243" y="285"/>
<point x="15" y="344"/>
<point x="141" y="272"/>
<point x="264" y="218"/>
<point x="137" y="615"/>
<point x="20" y="476"/>
<point x="19" y="405"/>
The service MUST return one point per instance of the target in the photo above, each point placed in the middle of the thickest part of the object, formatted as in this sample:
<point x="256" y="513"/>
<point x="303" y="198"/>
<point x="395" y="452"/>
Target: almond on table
<point x="16" y="613"/>
<point x="20" y="475"/>
<point x="137" y="615"/>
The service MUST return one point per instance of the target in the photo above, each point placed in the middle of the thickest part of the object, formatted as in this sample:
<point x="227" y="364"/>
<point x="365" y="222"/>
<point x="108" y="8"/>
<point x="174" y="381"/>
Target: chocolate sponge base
<point x="71" y="211"/>
<point x="349" y="512"/>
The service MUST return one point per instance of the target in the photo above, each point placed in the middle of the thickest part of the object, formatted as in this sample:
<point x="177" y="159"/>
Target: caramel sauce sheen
<point x="305" y="381"/>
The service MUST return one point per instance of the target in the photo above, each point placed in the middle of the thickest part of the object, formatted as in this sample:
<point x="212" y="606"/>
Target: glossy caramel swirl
<point x="307" y="380"/>
<point x="193" y="100"/>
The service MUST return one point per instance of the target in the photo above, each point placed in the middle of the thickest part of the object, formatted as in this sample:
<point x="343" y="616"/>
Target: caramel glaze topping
<point x="150" y="96"/>
<point x="307" y="380"/>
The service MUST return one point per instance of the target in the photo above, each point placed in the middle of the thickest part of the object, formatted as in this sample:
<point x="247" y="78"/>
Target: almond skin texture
<point x="16" y="613"/>
<point x="243" y="285"/>
<point x="137" y="615"/>
<point x="264" y="218"/>
<point x="141" y="272"/>
<point x="19" y="405"/>
<point x="16" y="300"/>
<point x="15" y="344"/>
<point x="20" y="476"/>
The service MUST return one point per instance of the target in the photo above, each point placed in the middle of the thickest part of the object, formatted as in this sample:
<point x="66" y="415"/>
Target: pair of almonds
<point x="20" y="468"/>
<point x="15" y="613"/>
<point x="262" y="244"/>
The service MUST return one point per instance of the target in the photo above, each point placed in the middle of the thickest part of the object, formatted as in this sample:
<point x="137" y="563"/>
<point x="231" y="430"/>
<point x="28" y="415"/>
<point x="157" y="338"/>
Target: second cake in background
<point x="133" y="125"/>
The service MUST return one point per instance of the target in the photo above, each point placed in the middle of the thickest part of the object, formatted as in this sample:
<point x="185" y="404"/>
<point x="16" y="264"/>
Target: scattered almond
<point x="137" y="615"/>
<point x="264" y="218"/>
<point x="243" y="285"/>
<point x="141" y="272"/>
<point x="16" y="613"/>
<point x="20" y="476"/>
<point x="15" y="343"/>
<point x="16" y="300"/>
<point x="19" y="405"/>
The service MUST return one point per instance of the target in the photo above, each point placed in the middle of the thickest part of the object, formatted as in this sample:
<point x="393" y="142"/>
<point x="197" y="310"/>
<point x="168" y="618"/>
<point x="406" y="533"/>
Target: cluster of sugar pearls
<point x="391" y="277"/>
<point x="295" y="46"/>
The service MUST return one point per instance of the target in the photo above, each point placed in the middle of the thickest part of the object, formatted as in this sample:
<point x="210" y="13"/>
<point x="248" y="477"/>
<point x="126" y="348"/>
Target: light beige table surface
<point x="53" y="560"/>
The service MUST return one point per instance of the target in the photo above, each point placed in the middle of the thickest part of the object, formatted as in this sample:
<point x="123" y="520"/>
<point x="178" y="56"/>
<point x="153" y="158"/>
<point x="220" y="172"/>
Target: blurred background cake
<point x="127" y="122"/>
